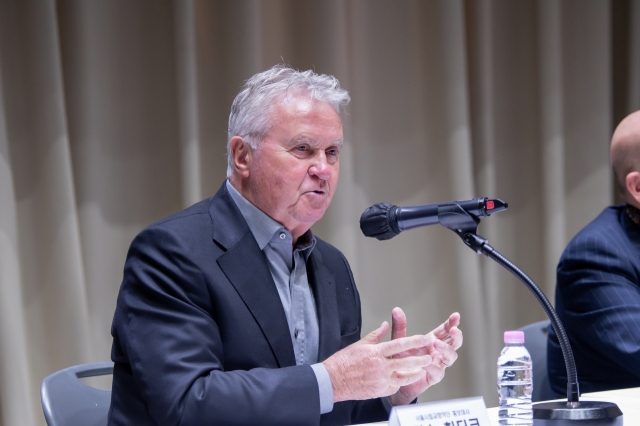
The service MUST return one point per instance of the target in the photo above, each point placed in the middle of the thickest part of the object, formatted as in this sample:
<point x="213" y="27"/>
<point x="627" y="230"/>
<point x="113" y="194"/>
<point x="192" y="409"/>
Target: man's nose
<point x="320" y="167"/>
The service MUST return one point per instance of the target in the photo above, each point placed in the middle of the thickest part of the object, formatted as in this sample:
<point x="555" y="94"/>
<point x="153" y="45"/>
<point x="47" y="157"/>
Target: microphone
<point x="384" y="221"/>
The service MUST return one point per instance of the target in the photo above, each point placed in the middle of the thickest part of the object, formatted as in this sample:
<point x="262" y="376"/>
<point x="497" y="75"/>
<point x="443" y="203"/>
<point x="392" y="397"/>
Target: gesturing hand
<point x="441" y="343"/>
<point x="370" y="369"/>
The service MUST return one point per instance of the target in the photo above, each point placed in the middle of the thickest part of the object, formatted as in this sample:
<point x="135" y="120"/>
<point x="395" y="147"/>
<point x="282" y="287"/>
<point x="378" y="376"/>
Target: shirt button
<point x="283" y="235"/>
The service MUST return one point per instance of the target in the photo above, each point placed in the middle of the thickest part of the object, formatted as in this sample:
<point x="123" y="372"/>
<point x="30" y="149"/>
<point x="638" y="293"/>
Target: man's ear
<point x="240" y="153"/>
<point x="633" y="188"/>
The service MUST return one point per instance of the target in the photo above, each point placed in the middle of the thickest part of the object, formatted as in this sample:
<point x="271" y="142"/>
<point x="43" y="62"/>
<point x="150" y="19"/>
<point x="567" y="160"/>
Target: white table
<point x="627" y="399"/>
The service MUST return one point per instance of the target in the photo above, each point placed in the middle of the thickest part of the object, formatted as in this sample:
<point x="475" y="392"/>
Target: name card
<point x="454" y="412"/>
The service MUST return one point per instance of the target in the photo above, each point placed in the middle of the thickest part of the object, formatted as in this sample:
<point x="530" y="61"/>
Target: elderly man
<point x="233" y="312"/>
<point x="598" y="286"/>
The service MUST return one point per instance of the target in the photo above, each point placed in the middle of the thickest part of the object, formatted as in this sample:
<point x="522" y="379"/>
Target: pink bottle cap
<point x="515" y="336"/>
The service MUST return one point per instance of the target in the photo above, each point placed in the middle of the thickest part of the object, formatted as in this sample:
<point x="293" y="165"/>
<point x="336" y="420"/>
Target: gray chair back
<point x="535" y="340"/>
<point x="67" y="401"/>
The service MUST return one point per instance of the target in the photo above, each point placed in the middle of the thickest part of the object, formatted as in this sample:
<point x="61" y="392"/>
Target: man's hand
<point x="370" y="369"/>
<point x="441" y="343"/>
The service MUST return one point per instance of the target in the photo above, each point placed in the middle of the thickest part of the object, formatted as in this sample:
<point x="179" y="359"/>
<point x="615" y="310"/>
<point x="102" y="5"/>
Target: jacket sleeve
<point x="164" y="328"/>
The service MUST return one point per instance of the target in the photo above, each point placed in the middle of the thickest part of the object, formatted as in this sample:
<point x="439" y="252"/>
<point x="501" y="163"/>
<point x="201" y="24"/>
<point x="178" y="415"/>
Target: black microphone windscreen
<point x="379" y="221"/>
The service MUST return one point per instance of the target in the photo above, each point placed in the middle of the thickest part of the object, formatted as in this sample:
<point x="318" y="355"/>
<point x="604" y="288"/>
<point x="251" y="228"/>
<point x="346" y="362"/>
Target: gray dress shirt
<point x="288" y="268"/>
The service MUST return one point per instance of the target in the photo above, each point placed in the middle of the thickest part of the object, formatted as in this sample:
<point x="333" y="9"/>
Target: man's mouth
<point x="316" y="191"/>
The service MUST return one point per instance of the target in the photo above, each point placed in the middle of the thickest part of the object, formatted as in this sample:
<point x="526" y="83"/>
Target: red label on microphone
<point x="490" y="205"/>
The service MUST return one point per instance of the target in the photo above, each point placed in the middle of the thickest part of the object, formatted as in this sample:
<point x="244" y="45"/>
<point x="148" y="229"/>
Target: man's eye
<point x="332" y="154"/>
<point x="302" y="148"/>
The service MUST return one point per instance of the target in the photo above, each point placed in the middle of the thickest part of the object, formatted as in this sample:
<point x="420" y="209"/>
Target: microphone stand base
<point x="589" y="413"/>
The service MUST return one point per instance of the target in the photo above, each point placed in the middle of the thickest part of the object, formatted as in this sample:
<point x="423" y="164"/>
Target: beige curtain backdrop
<point x="113" y="115"/>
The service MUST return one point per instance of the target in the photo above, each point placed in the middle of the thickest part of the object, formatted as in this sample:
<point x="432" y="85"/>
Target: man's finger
<point x="410" y="362"/>
<point x="406" y="377"/>
<point x="455" y="340"/>
<point x="447" y="354"/>
<point x="442" y="331"/>
<point x="398" y="323"/>
<point x="422" y="350"/>
<point x="393" y="347"/>
<point x="376" y="335"/>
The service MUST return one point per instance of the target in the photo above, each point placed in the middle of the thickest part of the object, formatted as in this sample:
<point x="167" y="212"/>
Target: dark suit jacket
<point x="598" y="301"/>
<point x="200" y="335"/>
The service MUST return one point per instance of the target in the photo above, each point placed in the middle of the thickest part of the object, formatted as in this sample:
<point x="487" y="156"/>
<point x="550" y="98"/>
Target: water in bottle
<point x="515" y="381"/>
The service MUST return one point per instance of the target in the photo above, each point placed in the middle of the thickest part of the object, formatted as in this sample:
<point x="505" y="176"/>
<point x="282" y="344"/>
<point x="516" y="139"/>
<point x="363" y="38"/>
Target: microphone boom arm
<point x="465" y="225"/>
<point x="455" y="218"/>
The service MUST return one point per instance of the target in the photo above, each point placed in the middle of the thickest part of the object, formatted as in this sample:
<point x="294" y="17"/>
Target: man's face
<point x="294" y="172"/>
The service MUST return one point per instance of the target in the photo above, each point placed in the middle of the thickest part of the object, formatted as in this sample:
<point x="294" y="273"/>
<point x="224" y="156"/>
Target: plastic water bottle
<point x="515" y="381"/>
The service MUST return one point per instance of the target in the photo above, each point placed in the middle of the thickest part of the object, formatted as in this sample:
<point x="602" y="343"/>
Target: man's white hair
<point x="251" y="112"/>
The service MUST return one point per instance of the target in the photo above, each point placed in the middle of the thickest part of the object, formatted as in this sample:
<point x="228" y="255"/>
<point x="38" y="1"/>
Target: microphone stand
<point x="573" y="412"/>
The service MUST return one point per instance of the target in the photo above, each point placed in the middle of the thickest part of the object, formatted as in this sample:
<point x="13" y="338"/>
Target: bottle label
<point x="453" y="412"/>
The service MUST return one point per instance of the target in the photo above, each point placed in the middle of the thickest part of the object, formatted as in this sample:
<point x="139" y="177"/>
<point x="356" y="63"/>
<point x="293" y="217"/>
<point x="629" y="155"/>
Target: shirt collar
<point x="263" y="227"/>
<point x="633" y="213"/>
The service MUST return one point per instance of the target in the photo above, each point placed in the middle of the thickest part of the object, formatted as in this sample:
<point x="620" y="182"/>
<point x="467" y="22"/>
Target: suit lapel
<point x="324" y="291"/>
<point x="246" y="267"/>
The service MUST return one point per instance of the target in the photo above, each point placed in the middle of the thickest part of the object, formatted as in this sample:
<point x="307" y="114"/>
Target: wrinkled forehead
<point x="302" y="98"/>
<point x="294" y="108"/>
